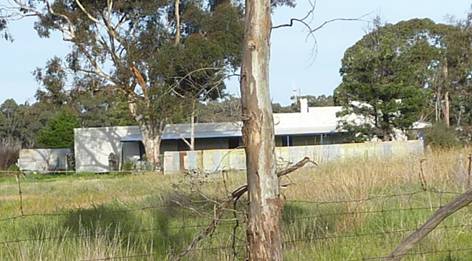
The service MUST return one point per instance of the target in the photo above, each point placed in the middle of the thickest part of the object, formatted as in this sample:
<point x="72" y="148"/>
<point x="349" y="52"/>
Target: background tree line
<point x="415" y="70"/>
<point x="138" y="71"/>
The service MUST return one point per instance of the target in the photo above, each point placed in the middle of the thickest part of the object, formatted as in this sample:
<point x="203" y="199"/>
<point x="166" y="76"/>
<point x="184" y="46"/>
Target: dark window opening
<point x="287" y="141"/>
<point x="233" y="143"/>
<point x="142" y="151"/>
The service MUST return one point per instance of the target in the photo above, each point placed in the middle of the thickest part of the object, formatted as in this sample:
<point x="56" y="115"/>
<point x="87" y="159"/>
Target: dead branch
<point x="239" y="192"/>
<point x="309" y="14"/>
<point x="232" y="201"/>
<point x="422" y="177"/>
<point x="207" y="231"/>
<point x="299" y="20"/>
<point x="441" y="214"/>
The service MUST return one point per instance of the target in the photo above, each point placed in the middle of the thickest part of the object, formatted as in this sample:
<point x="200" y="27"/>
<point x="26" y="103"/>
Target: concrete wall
<point x="92" y="146"/>
<point x="217" y="160"/>
<point x="43" y="160"/>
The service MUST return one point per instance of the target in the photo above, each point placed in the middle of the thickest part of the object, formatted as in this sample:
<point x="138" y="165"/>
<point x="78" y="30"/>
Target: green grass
<point x="153" y="217"/>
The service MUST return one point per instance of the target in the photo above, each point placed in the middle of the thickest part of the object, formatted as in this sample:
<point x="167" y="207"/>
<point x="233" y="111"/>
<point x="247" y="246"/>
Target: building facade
<point x="111" y="148"/>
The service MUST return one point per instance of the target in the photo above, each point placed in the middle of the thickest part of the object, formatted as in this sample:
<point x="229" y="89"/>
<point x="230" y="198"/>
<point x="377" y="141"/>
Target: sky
<point x="311" y="67"/>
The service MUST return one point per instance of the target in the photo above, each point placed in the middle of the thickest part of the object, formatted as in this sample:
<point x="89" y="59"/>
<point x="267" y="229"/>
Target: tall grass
<point x="344" y="210"/>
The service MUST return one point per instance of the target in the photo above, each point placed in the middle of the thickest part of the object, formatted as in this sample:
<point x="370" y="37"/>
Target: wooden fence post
<point x="20" y="193"/>
<point x="469" y="172"/>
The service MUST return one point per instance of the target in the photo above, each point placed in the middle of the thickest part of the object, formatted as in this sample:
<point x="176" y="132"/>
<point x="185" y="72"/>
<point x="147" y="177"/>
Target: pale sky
<point x="293" y="64"/>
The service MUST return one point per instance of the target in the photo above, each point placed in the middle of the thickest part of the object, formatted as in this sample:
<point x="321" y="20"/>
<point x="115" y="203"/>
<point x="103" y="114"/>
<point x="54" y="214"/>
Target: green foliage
<point x="313" y="101"/>
<point x="224" y="110"/>
<point x="13" y="168"/>
<point x="59" y="132"/>
<point x="18" y="123"/>
<point x="441" y="136"/>
<point x="384" y="78"/>
<point x="9" y="152"/>
<point x="128" y="166"/>
<point x="53" y="79"/>
<point x="210" y="43"/>
<point x="135" y="48"/>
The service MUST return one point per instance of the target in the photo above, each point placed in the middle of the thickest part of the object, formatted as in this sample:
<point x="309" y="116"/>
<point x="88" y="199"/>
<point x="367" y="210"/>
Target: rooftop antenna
<point x="296" y="92"/>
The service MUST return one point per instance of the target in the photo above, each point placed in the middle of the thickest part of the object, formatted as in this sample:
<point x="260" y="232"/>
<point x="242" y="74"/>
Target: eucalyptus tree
<point x="143" y="49"/>
<point x="401" y="73"/>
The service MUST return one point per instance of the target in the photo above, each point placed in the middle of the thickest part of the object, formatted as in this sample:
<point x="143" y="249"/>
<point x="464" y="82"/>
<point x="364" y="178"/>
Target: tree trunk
<point x="177" y="21"/>
<point x="437" y="105"/>
<point x="152" y="146"/>
<point x="264" y="240"/>
<point x="192" y="128"/>
<point x="447" y="119"/>
<point x="446" y="94"/>
<point x="151" y="135"/>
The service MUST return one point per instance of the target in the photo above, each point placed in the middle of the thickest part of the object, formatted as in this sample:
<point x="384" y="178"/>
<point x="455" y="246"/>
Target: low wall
<point x="217" y="160"/>
<point x="43" y="160"/>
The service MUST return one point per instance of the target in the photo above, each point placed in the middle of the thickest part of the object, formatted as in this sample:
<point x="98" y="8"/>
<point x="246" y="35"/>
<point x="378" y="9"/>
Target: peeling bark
<point x="177" y="22"/>
<point x="264" y="240"/>
<point x="446" y="114"/>
<point x="447" y="119"/>
<point x="151" y="135"/>
<point x="152" y="145"/>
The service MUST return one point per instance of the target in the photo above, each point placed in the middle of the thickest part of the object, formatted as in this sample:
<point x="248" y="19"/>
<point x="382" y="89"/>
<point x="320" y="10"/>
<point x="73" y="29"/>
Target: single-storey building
<point x="94" y="146"/>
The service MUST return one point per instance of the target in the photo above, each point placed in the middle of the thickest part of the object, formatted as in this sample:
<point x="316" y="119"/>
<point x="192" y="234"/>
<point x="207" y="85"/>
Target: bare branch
<point x="300" y="20"/>
<point x="90" y="16"/>
<point x="441" y="214"/>
<point x="232" y="201"/>
<point x="336" y="20"/>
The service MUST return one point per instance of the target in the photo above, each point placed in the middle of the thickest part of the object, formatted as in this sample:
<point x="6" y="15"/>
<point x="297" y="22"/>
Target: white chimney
<point x="303" y="105"/>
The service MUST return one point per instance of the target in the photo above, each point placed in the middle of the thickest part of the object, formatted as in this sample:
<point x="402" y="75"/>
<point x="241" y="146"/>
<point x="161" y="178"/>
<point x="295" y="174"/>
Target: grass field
<point x="350" y="210"/>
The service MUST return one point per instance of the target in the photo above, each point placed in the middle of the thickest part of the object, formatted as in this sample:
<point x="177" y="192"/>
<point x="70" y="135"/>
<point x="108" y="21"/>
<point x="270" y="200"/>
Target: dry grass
<point x="95" y="221"/>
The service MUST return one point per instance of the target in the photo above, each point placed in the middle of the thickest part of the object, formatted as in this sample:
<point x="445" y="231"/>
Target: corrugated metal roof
<point x="318" y="120"/>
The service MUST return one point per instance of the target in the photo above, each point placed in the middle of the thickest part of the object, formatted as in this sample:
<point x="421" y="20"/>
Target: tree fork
<point x="264" y="240"/>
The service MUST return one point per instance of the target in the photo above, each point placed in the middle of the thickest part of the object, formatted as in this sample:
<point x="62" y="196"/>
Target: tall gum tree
<point x="143" y="48"/>
<point x="264" y="240"/>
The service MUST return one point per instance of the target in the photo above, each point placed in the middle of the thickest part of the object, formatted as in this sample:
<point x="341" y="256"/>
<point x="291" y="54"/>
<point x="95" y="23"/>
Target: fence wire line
<point x="428" y="252"/>
<point x="421" y="253"/>
<point x="411" y="194"/>
<point x="340" y="213"/>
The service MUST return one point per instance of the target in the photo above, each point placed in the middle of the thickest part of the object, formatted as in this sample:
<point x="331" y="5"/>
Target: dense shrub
<point x="59" y="132"/>
<point x="440" y="135"/>
<point x="9" y="152"/>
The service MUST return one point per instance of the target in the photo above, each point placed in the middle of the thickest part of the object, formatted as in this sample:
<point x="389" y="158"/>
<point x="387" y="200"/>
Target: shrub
<point x="9" y="153"/>
<point x="128" y="166"/>
<point x="440" y="135"/>
<point x="59" y="132"/>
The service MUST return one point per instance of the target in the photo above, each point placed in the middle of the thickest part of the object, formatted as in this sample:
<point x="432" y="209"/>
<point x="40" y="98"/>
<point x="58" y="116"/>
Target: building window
<point x="233" y="143"/>
<point x="287" y="141"/>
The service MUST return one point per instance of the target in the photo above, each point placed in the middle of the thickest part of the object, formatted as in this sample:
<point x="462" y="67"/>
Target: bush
<point x="442" y="136"/>
<point x="59" y="131"/>
<point x="128" y="166"/>
<point x="9" y="153"/>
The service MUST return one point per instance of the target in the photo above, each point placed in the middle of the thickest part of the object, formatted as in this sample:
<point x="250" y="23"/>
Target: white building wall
<point x="92" y="146"/>
<point x="43" y="160"/>
<point x="211" y="161"/>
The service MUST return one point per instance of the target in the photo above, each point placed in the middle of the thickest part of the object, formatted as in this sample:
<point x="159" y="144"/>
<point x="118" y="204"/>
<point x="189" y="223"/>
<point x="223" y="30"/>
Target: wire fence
<point x="318" y="224"/>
